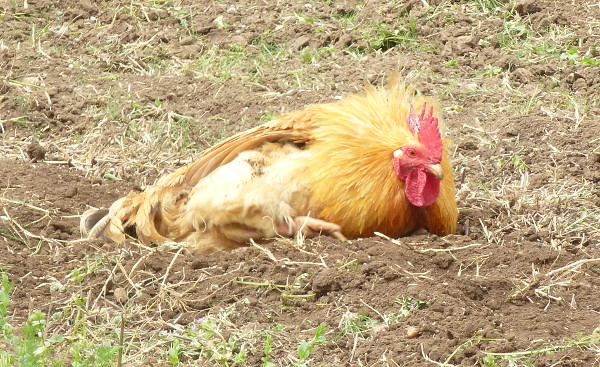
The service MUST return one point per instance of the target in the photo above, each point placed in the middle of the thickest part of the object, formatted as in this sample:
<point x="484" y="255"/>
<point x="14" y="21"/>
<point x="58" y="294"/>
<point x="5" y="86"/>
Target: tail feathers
<point x="152" y="213"/>
<point x="147" y="216"/>
<point x="109" y="223"/>
<point x="93" y="221"/>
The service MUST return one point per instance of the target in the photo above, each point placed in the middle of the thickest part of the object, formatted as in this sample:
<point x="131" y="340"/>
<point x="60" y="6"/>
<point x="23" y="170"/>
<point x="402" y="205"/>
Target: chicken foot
<point x="311" y="227"/>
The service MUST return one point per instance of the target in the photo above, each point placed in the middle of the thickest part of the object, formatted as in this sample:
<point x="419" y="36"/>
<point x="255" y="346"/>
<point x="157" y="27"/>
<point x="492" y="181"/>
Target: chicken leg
<point x="310" y="227"/>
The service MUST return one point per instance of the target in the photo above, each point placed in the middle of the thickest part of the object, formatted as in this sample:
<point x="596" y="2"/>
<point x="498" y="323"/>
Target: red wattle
<point x="422" y="188"/>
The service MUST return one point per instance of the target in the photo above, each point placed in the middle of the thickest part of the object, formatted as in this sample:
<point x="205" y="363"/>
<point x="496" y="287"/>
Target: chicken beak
<point x="436" y="170"/>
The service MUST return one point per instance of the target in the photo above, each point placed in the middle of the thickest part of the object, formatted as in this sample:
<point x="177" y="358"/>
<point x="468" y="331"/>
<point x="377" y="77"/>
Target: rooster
<point x="373" y="162"/>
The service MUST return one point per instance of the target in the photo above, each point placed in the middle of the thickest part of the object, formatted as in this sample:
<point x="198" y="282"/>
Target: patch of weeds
<point x="410" y="304"/>
<point x="303" y="80"/>
<point x="218" y="64"/>
<point x="522" y="103"/>
<point x="77" y="275"/>
<point x="268" y="349"/>
<point x="313" y="56"/>
<point x="347" y="19"/>
<point x="306" y="55"/>
<point x="305" y="348"/>
<point x="86" y="353"/>
<point x="269" y="54"/>
<point x="140" y="11"/>
<point x="456" y="108"/>
<point x="213" y="338"/>
<point x="182" y="15"/>
<point x="549" y="42"/>
<point x="573" y="56"/>
<point x="20" y="103"/>
<point x="554" y="41"/>
<point x="491" y="70"/>
<point x="220" y="22"/>
<point x="174" y="351"/>
<point x="31" y="346"/>
<point x="580" y="341"/>
<point x="357" y="324"/>
<point x="268" y="116"/>
<point x="181" y="130"/>
<point x="5" y="288"/>
<point x="488" y="6"/>
<point x="514" y="33"/>
<point x="356" y="53"/>
<point x="489" y="361"/>
<point x="515" y="161"/>
<point x="150" y="123"/>
<point x="304" y="19"/>
<point x="520" y="39"/>
<point x="37" y="33"/>
<point x="385" y="36"/>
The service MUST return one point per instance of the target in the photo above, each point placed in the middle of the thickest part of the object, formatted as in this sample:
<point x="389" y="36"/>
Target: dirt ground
<point x="97" y="98"/>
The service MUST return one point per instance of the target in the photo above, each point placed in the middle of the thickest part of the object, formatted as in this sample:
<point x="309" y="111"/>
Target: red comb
<point x="427" y="130"/>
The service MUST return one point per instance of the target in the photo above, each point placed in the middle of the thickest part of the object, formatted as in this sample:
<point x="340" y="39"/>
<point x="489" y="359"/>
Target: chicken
<point x="363" y="164"/>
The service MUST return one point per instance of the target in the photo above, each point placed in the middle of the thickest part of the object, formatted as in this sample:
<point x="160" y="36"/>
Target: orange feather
<point x="353" y="185"/>
<point x="330" y="161"/>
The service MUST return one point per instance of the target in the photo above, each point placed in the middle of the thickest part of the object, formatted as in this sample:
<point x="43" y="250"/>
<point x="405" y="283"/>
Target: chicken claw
<point x="311" y="227"/>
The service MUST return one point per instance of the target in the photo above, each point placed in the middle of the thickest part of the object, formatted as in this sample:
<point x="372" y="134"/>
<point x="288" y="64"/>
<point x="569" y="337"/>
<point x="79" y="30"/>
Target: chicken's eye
<point x="411" y="153"/>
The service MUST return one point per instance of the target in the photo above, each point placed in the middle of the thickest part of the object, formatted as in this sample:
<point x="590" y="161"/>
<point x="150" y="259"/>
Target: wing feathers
<point x="294" y="127"/>
<point x="156" y="212"/>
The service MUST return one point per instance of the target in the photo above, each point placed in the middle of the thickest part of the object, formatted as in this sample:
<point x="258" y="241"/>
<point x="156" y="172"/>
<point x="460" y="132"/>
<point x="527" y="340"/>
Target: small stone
<point x="412" y="332"/>
<point x="121" y="295"/>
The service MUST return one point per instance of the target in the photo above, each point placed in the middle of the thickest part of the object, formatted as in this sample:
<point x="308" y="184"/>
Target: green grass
<point x="311" y="56"/>
<point x="488" y="6"/>
<point x="357" y="324"/>
<point x="28" y="343"/>
<point x="555" y="41"/>
<point x="527" y="357"/>
<point x="219" y="64"/>
<point x="215" y="338"/>
<point x="305" y="348"/>
<point x="386" y="36"/>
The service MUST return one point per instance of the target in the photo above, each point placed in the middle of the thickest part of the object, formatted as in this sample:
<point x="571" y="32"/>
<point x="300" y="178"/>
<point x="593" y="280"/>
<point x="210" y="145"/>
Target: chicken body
<point x="331" y="167"/>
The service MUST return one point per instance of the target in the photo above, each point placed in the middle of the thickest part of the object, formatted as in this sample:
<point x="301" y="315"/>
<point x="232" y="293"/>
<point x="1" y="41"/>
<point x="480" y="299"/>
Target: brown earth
<point x="90" y="88"/>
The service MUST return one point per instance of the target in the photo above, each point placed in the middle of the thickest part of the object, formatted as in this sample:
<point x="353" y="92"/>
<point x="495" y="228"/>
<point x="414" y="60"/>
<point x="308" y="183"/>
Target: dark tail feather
<point x="93" y="222"/>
